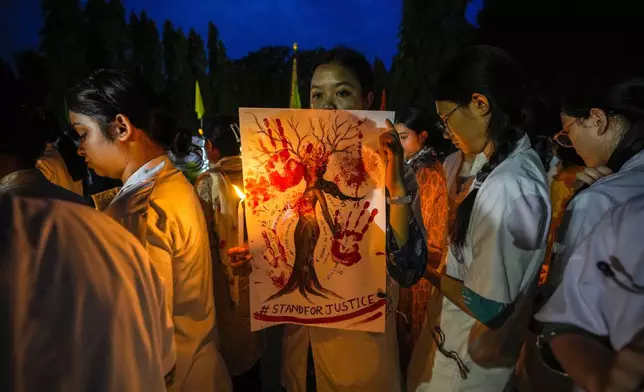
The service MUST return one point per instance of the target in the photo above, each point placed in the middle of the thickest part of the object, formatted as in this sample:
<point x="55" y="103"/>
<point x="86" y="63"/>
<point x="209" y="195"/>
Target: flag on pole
<point x="295" y="91"/>
<point x="383" y="101"/>
<point x="199" y="108"/>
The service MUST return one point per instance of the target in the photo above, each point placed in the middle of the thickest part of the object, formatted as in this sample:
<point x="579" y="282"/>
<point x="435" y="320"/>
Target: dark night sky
<point x="370" y="26"/>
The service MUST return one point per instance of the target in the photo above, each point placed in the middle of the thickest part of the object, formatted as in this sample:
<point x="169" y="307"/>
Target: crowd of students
<point x="513" y="263"/>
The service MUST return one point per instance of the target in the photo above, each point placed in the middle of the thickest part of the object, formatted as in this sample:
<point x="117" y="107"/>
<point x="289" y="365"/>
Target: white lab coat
<point x="52" y="165"/>
<point x="159" y="206"/>
<point x="586" y="209"/>
<point x="459" y="176"/>
<point x="82" y="306"/>
<point x="586" y="298"/>
<point x="504" y="250"/>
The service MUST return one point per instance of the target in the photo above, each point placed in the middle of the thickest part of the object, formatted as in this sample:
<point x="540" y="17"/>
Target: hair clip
<point x="235" y="128"/>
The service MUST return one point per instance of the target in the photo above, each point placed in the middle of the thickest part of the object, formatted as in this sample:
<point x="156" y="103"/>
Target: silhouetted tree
<point x="147" y="53"/>
<point x="33" y="84"/>
<point x="180" y="86"/>
<point x="381" y="79"/>
<point x="223" y="97"/>
<point x="63" y="47"/>
<point x="264" y="77"/>
<point x="430" y="33"/>
<point x="108" y="42"/>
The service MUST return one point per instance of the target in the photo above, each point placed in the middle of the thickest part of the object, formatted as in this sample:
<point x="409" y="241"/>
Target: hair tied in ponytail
<point x="477" y="184"/>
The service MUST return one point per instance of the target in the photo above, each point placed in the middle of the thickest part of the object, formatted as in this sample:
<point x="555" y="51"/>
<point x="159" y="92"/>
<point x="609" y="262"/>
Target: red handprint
<point x="276" y="259"/>
<point x="345" y="247"/>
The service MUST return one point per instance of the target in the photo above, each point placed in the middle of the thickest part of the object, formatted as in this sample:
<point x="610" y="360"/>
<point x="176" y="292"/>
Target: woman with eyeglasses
<point x="603" y="120"/>
<point x="497" y="239"/>
<point x="124" y="134"/>
<point x="594" y="316"/>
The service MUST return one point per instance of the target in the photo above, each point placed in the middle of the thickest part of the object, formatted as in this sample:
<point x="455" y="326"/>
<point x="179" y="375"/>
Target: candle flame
<point x="239" y="193"/>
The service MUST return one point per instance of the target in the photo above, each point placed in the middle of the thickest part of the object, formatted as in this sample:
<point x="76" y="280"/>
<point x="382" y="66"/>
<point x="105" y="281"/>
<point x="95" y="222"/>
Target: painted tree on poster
<point x="285" y="162"/>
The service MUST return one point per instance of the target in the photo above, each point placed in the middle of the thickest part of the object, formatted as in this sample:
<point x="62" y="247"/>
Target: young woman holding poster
<point x="498" y="236"/>
<point x="124" y="135"/>
<point x="323" y="359"/>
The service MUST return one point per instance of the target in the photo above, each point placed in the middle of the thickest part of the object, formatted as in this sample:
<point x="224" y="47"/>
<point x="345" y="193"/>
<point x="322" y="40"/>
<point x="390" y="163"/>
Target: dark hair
<point x="22" y="135"/>
<point x="218" y="131"/>
<point x="107" y="93"/>
<point x="419" y="120"/>
<point x="415" y="119"/>
<point x="621" y="97"/>
<point x="354" y="62"/>
<point x="496" y="75"/>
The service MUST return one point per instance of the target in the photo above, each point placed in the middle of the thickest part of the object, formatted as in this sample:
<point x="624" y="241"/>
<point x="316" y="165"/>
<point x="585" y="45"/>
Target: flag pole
<point x="295" y="102"/>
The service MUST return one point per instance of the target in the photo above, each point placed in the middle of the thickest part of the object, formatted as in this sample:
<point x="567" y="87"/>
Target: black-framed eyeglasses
<point x="442" y="122"/>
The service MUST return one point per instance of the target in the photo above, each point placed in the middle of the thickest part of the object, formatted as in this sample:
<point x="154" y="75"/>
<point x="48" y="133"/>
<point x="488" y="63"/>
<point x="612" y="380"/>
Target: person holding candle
<point x="124" y="135"/>
<point x="324" y="359"/>
<point x="224" y="210"/>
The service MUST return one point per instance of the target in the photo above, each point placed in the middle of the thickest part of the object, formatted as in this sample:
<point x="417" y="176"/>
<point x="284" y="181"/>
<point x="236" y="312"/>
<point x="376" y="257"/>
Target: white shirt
<point x="52" y="165"/>
<point x="81" y="303"/>
<point x="504" y="249"/>
<point x="159" y="206"/>
<point x="586" y="298"/>
<point x="587" y="208"/>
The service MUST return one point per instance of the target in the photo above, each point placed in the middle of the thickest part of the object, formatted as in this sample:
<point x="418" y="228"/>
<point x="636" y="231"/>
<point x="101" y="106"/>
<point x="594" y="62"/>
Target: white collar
<point x="144" y="174"/>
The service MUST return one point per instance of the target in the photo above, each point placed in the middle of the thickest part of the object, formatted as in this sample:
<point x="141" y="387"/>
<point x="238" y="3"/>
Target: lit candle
<point x="240" y="217"/>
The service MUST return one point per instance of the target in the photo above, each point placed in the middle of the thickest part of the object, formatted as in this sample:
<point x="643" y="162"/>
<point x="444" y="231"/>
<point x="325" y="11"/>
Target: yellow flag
<point x="295" y="91"/>
<point x="199" y="108"/>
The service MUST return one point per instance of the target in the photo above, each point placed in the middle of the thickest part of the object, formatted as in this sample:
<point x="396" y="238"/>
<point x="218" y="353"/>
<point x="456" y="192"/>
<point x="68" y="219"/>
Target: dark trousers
<point x="310" y="372"/>
<point x="249" y="381"/>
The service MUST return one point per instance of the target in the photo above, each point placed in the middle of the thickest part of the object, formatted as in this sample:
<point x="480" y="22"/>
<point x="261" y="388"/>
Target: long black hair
<point x="418" y="120"/>
<point x="622" y="97"/>
<point x="107" y="93"/>
<point x="496" y="75"/>
<point x="352" y="61"/>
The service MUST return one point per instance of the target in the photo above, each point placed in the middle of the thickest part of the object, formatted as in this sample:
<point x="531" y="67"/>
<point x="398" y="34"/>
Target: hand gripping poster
<point x="315" y="216"/>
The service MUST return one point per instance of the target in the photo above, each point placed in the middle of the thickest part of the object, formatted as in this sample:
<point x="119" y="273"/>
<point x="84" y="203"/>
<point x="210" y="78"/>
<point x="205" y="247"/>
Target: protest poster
<point x="315" y="216"/>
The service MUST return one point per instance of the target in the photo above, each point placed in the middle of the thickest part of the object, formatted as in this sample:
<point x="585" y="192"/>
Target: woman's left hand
<point x="393" y="155"/>
<point x="590" y="175"/>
